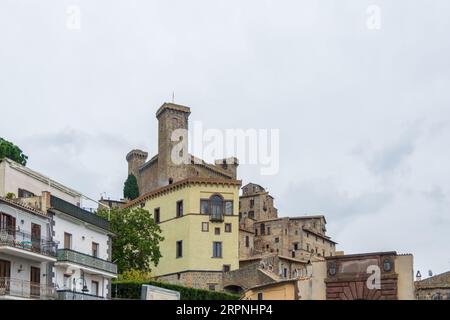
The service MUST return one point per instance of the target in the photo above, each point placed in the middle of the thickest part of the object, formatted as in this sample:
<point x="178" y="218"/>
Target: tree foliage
<point x="11" y="151"/>
<point x="136" y="245"/>
<point x="130" y="188"/>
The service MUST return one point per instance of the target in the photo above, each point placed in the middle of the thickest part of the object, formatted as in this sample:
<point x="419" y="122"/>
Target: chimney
<point x="45" y="201"/>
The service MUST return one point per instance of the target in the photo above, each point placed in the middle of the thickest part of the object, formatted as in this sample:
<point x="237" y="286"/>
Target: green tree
<point x="136" y="246"/>
<point x="130" y="188"/>
<point x="11" y="151"/>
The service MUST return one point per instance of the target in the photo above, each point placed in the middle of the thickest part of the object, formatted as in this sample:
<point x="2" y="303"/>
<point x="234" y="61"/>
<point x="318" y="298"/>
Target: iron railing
<point x="75" y="295"/>
<point x="27" y="241"/>
<point x="216" y="217"/>
<point x="79" y="213"/>
<point x="86" y="260"/>
<point x="26" y="289"/>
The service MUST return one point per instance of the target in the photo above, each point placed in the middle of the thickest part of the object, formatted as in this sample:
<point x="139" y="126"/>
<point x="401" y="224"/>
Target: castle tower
<point x="170" y="118"/>
<point x="135" y="159"/>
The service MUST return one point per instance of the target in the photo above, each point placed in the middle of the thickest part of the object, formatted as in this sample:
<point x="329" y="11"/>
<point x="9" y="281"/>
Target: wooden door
<point x="5" y="273"/>
<point x="35" y="281"/>
<point x="94" y="288"/>
<point x="36" y="236"/>
<point x="67" y="240"/>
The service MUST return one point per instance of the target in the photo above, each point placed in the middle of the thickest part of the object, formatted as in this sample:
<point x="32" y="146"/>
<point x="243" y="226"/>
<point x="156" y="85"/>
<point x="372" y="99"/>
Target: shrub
<point x="132" y="290"/>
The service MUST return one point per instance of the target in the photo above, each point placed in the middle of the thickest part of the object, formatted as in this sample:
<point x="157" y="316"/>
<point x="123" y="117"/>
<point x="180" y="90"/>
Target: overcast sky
<point x="363" y="113"/>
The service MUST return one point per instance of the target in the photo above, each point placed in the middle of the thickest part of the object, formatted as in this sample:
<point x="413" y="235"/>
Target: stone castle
<point x="271" y="248"/>
<point x="160" y="170"/>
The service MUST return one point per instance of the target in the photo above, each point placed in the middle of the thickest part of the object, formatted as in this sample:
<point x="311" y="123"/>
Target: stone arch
<point x="234" y="289"/>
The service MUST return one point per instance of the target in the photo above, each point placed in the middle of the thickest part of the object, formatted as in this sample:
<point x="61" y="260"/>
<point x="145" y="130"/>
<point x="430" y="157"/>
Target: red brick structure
<point x="348" y="275"/>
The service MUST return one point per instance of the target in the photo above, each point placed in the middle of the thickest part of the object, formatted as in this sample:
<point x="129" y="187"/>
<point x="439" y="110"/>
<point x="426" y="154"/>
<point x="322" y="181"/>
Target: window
<point x="25" y="193"/>
<point x="180" y="208"/>
<point x="229" y="208"/>
<point x="268" y="231"/>
<point x="67" y="240"/>
<point x="226" y="268"/>
<point x="217" y="249"/>
<point x="7" y="223"/>
<point x="179" y="249"/>
<point x="256" y="232"/>
<point x="240" y="215"/>
<point x="260" y="296"/>
<point x="157" y="216"/>
<point x="204" y="206"/>
<point x="247" y="241"/>
<point x="277" y="240"/>
<point x="252" y="203"/>
<point x="293" y="254"/>
<point x="285" y="272"/>
<point x="94" y="288"/>
<point x="205" y="226"/>
<point x="263" y="229"/>
<point x="212" y="287"/>
<point x="295" y="246"/>
<point x="217" y="231"/>
<point x="95" y="249"/>
<point x="216" y="207"/>
<point x="227" y="227"/>
<point x="251" y="214"/>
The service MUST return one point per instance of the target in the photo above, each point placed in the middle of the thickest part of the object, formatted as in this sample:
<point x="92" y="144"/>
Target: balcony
<point x="90" y="263"/>
<point x="77" y="212"/>
<point x="25" y="245"/>
<point x="216" y="217"/>
<point x="11" y="288"/>
<point x="74" y="295"/>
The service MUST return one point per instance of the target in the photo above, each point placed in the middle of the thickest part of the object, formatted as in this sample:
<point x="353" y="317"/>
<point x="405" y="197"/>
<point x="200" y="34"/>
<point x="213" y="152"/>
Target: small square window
<point x="217" y="231"/>
<point x="227" y="227"/>
<point x="205" y="226"/>
<point x="226" y="268"/>
<point x="212" y="287"/>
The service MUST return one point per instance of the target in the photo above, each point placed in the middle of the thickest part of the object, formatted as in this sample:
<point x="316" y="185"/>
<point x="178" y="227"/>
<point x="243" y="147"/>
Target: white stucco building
<point x="81" y="266"/>
<point x="27" y="252"/>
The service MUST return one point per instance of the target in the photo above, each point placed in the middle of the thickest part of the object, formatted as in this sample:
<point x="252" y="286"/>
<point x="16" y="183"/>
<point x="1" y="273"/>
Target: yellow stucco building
<point x="199" y="219"/>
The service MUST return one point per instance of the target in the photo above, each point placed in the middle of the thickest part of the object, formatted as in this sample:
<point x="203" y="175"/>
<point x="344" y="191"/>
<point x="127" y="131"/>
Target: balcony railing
<point x="74" y="295"/>
<point x="26" y="289"/>
<point x="216" y="217"/>
<point x="26" y="241"/>
<point x="77" y="212"/>
<point x="86" y="260"/>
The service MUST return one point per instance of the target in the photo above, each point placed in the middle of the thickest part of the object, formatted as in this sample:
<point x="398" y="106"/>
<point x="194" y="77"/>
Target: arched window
<point x="216" y="207"/>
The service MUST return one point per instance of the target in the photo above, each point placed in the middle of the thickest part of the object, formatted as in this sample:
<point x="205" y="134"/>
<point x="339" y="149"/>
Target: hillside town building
<point x="434" y="288"/>
<point x="68" y="249"/>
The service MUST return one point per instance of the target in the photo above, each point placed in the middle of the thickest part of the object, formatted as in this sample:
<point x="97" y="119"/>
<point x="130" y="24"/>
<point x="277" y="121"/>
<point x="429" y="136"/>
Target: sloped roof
<point x="438" y="281"/>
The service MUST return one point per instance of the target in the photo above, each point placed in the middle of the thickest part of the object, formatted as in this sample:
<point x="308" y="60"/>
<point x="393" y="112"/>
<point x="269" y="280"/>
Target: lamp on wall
<point x="20" y="269"/>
